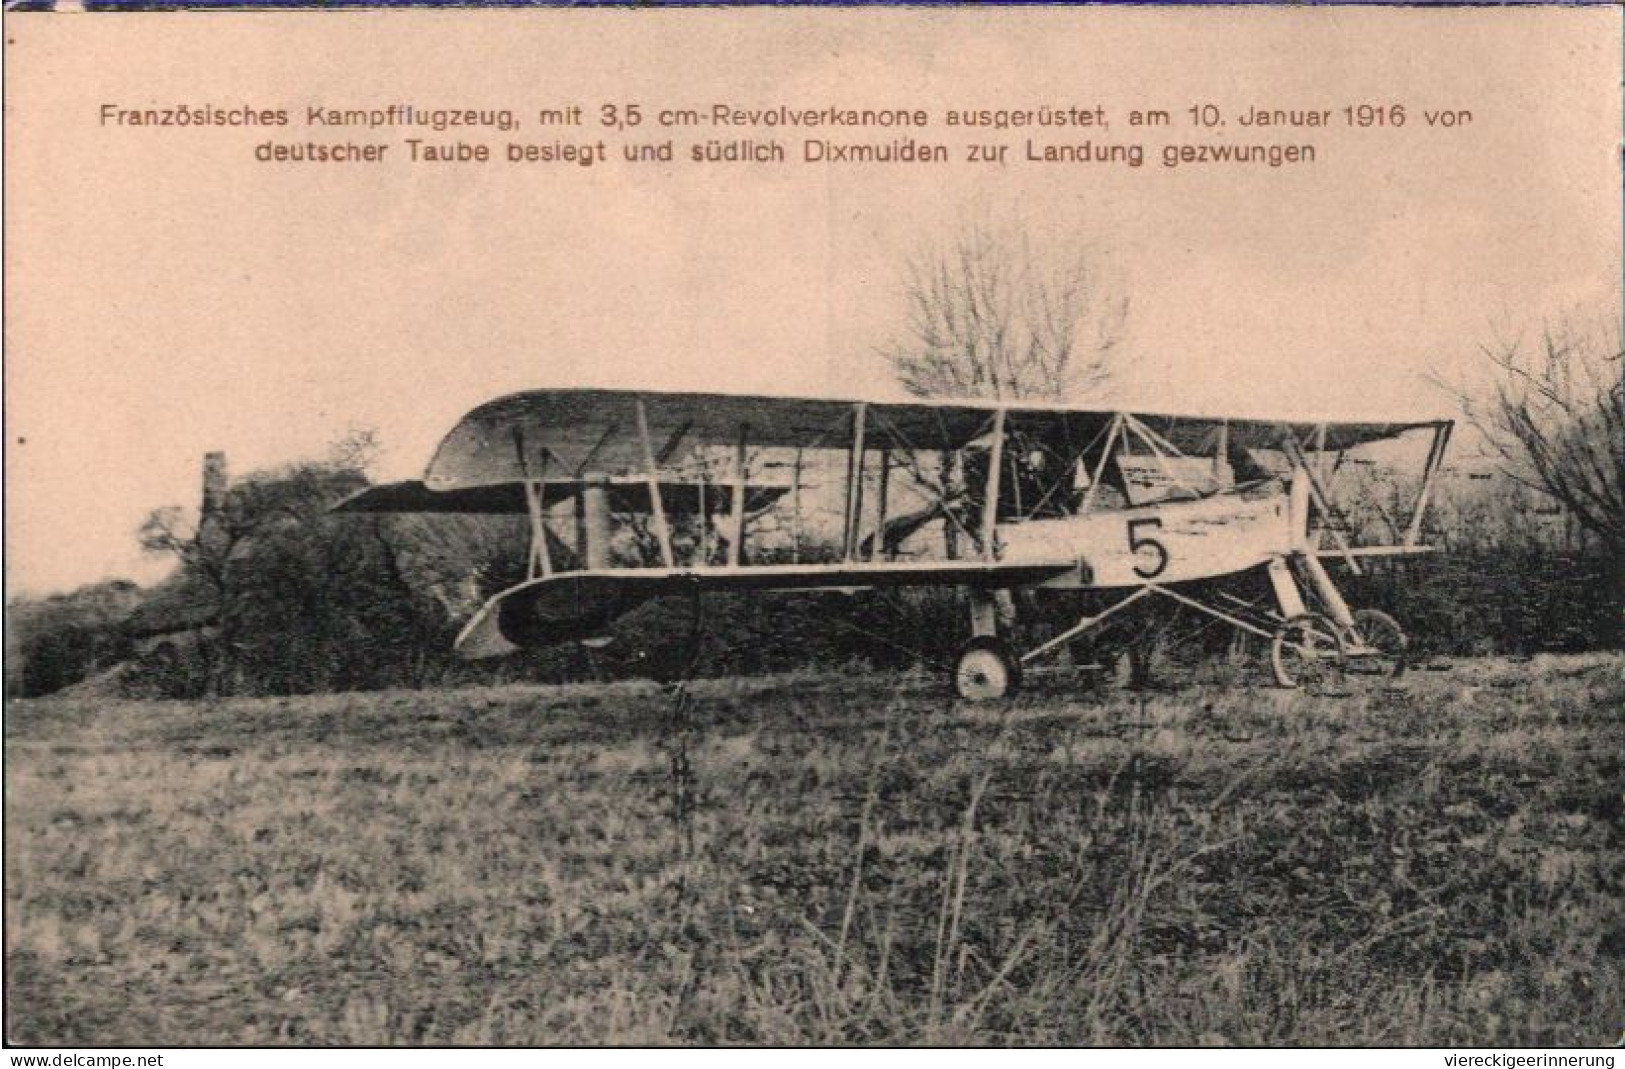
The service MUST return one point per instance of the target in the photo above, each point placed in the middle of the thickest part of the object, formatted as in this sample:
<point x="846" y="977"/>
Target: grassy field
<point x="825" y="860"/>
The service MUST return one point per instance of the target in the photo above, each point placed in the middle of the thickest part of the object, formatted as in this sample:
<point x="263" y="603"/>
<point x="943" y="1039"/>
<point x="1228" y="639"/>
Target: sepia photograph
<point x="794" y="527"/>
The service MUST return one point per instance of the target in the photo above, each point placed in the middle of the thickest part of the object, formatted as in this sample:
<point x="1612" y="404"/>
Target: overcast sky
<point x="168" y="295"/>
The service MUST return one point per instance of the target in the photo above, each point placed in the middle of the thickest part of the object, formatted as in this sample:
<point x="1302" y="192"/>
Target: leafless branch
<point x="1553" y="414"/>
<point x="990" y="317"/>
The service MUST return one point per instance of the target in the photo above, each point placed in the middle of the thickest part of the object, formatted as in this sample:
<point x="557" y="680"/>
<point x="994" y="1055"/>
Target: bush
<point x="1503" y="600"/>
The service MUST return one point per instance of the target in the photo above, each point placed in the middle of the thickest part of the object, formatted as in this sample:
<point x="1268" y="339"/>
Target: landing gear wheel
<point x="1307" y="653"/>
<point x="986" y="672"/>
<point x="1386" y="649"/>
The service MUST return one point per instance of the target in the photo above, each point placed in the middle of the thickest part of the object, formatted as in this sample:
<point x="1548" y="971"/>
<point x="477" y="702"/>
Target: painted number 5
<point x="1137" y="542"/>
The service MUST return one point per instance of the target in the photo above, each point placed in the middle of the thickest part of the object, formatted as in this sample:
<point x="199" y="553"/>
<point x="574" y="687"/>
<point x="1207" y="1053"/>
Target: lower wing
<point x="577" y="605"/>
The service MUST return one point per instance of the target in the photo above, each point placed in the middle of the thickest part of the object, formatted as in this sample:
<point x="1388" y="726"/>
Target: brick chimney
<point x="214" y="488"/>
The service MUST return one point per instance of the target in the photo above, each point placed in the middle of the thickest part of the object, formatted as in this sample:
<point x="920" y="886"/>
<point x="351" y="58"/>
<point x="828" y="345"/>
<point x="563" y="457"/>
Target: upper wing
<point x="678" y="497"/>
<point x="570" y="432"/>
<point x="544" y="434"/>
<point x="1195" y="435"/>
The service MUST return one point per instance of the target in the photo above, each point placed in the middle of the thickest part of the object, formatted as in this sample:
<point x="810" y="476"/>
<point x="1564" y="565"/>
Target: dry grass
<point x="824" y="861"/>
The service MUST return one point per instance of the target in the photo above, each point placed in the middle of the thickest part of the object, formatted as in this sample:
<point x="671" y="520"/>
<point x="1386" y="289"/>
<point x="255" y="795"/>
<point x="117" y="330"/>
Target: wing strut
<point x="1430" y="472"/>
<point x="597" y="447"/>
<point x="1112" y="432"/>
<point x="795" y="508"/>
<point x="990" y="505"/>
<point x="881" y="491"/>
<point x="1322" y="498"/>
<point x="908" y="458"/>
<point x="669" y="450"/>
<point x="656" y="507"/>
<point x="541" y="561"/>
<point x="1068" y="474"/>
<point x="736" y="522"/>
<point x="1156" y="443"/>
<point x="854" y="481"/>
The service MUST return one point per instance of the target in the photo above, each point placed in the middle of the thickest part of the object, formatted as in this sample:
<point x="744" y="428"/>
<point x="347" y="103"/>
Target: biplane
<point x="635" y="495"/>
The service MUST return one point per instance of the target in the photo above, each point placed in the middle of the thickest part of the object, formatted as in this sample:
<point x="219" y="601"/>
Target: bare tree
<point x="1554" y="415"/>
<point x="206" y="548"/>
<point x="990" y="316"/>
<point x="203" y="547"/>
<point x="993" y="315"/>
<point x="356" y="450"/>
